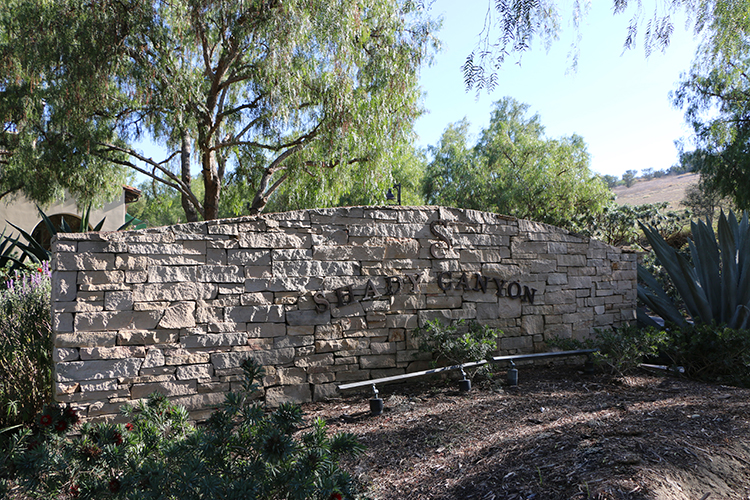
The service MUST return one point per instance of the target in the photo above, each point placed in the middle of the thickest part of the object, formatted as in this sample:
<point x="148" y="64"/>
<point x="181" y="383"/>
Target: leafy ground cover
<point x="560" y="435"/>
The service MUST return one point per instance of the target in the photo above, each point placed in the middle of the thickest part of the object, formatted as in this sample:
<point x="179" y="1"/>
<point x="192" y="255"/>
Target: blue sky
<point x="618" y="102"/>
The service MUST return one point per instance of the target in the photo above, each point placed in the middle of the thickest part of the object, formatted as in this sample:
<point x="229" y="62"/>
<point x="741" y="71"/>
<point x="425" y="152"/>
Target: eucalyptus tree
<point x="511" y="27"/>
<point x="514" y="169"/>
<point x="281" y="89"/>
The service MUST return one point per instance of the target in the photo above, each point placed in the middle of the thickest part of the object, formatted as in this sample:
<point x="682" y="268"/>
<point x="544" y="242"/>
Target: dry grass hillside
<point x="670" y="189"/>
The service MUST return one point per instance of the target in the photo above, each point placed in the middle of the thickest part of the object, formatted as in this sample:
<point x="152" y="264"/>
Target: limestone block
<point x="150" y="306"/>
<point x="85" y="339"/>
<point x="266" y="330"/>
<point x="244" y="257"/>
<point x="401" y="321"/>
<point x="179" y="315"/>
<point x="255" y="314"/>
<point x="532" y="325"/>
<point x="155" y="249"/>
<point x="284" y="284"/>
<point x="300" y="341"/>
<point x="300" y="330"/>
<point x="321" y="378"/>
<point x="76" y="371"/>
<point x="275" y="240"/>
<point x="509" y="308"/>
<point x="63" y="286"/>
<point x="199" y="401"/>
<point x="379" y="361"/>
<point x="291" y="376"/>
<point x="191" y="372"/>
<point x="258" y="272"/>
<point x="119" y="352"/>
<point x="214" y="340"/>
<point x="571" y="260"/>
<point x="329" y="236"/>
<point x="118" y="301"/>
<point x="216" y="256"/>
<point x="221" y="274"/>
<point x="184" y="357"/>
<point x="154" y="358"/>
<point x="288" y="394"/>
<point x="63" y="322"/>
<point x="64" y="354"/>
<point x="83" y="262"/>
<point x="232" y="289"/>
<point x="314" y="360"/>
<point x="171" y="388"/>
<point x="172" y="292"/>
<point x="383" y="347"/>
<point x="116" y="320"/>
<point x="172" y="274"/>
<point x="328" y="331"/>
<point x="347" y="311"/>
<point x="443" y="301"/>
<point x="209" y="314"/>
<point x="256" y="299"/>
<point x="58" y="245"/>
<point x="100" y="277"/>
<point x="307" y="317"/>
<point x="136" y="337"/>
<point x="223" y="228"/>
<point x="99" y="386"/>
<point x="136" y="276"/>
<point x="272" y="357"/>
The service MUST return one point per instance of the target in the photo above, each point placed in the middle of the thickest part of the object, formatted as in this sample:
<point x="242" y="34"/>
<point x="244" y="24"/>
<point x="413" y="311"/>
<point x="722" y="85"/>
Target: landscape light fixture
<point x="389" y="196"/>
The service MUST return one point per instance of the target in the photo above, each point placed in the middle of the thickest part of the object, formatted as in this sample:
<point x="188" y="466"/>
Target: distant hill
<point x="670" y="188"/>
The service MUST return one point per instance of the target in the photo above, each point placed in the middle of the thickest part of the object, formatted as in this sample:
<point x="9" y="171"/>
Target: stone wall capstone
<point x="319" y="297"/>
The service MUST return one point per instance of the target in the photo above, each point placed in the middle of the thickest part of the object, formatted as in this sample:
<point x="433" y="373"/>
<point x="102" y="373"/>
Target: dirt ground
<point x="561" y="434"/>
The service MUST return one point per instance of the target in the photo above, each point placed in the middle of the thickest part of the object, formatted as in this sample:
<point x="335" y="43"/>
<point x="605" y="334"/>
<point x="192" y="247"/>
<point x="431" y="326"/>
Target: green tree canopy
<point x="515" y="169"/>
<point x="716" y="99"/>
<point x="279" y="89"/>
<point x="511" y="27"/>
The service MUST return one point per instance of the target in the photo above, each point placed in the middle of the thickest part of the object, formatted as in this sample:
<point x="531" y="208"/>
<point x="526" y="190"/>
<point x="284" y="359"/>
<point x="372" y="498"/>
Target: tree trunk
<point x="191" y="214"/>
<point x="212" y="183"/>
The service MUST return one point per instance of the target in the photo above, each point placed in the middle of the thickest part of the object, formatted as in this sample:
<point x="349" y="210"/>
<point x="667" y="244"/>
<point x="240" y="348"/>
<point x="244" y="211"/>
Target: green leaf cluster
<point x="278" y="91"/>
<point x="242" y="452"/>
<point x="514" y="169"/>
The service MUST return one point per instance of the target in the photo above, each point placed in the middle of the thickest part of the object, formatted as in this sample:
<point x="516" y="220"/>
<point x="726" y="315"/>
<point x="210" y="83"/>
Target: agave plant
<point x="715" y="287"/>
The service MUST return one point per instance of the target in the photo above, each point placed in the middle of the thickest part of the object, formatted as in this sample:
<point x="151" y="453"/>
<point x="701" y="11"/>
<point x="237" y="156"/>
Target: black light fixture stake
<point x="464" y="385"/>
<point x="389" y="196"/>
<point x="512" y="374"/>
<point x="376" y="403"/>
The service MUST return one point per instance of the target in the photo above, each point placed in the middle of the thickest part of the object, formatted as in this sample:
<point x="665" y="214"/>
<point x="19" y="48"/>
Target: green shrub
<point x="25" y="346"/>
<point x="621" y="350"/>
<point x="711" y="353"/>
<point x="457" y="344"/>
<point x="242" y="452"/>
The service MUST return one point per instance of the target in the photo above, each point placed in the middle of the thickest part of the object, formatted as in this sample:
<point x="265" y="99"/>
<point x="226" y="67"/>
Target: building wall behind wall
<point x="319" y="297"/>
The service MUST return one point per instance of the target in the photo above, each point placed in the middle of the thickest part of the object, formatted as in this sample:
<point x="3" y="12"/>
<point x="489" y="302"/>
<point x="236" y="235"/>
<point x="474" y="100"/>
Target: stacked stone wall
<point x="319" y="297"/>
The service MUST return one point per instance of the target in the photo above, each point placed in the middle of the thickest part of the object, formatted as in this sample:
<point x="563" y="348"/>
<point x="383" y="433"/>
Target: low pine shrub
<point x="457" y="343"/>
<point x="25" y="345"/>
<point x="242" y="452"/>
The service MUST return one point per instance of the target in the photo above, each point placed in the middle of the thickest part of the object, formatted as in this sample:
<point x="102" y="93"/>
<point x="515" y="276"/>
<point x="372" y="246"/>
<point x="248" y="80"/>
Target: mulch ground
<point x="560" y="435"/>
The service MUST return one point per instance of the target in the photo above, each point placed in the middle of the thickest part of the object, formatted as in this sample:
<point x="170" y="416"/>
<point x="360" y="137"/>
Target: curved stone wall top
<point x="319" y="297"/>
